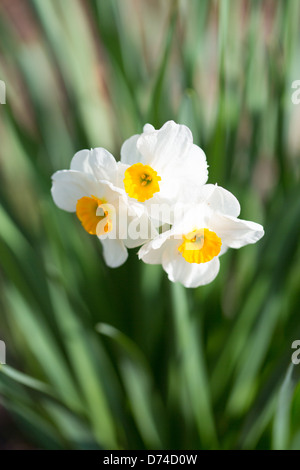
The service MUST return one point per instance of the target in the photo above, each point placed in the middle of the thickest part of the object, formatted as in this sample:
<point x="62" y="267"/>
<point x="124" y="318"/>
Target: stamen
<point x="86" y="211"/>
<point x="200" y="246"/>
<point x="141" y="182"/>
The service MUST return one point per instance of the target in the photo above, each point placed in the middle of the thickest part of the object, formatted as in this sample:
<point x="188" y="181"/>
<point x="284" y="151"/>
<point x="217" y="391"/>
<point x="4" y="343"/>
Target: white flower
<point x="92" y="189"/>
<point x="189" y="252"/>
<point x="160" y="163"/>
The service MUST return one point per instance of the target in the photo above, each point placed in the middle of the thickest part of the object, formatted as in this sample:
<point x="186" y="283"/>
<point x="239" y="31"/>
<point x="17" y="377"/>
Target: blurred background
<point x="121" y="359"/>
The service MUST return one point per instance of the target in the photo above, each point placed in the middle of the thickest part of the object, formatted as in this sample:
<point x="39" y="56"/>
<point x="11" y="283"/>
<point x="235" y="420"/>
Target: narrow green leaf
<point x="191" y="361"/>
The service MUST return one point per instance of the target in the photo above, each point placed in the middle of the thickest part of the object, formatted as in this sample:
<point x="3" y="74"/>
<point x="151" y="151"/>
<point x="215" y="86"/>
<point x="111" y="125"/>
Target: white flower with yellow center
<point x="189" y="252"/>
<point x="92" y="189"/>
<point x="159" y="163"/>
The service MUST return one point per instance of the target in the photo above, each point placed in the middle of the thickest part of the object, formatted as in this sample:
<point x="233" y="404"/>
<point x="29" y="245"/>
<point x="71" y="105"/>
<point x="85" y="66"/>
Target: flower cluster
<point x="155" y="198"/>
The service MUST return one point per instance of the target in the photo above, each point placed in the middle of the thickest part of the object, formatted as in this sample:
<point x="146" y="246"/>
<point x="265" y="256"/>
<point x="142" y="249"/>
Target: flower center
<point x="200" y="246"/>
<point x="141" y="182"/>
<point x="86" y="211"/>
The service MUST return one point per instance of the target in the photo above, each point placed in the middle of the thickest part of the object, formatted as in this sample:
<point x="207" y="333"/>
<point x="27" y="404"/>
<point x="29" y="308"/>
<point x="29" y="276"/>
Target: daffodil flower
<point x="92" y="189"/>
<point x="189" y="252"/>
<point x="159" y="163"/>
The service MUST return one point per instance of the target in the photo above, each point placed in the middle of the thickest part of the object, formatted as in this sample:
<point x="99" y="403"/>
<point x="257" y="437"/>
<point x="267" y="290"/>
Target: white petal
<point x="161" y="208"/>
<point x="152" y="251"/>
<point x="215" y="197"/>
<point x="108" y="191"/>
<point x="119" y="181"/>
<point x="194" y="166"/>
<point x="150" y="255"/>
<point x="224" y="249"/>
<point x="170" y="151"/>
<point x="148" y="128"/>
<point x="235" y="233"/>
<point x="97" y="162"/>
<point x="187" y="218"/>
<point x="114" y="252"/>
<point x="104" y="164"/>
<point x="162" y="147"/>
<point x="189" y="274"/>
<point x="68" y="186"/>
<point x="129" y="151"/>
<point x="140" y="230"/>
<point x="185" y="177"/>
<point x="224" y="201"/>
<point x="81" y="162"/>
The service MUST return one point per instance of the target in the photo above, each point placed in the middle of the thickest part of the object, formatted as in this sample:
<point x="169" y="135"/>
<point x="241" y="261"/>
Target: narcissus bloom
<point x="159" y="163"/>
<point x="160" y="182"/>
<point x="189" y="252"/>
<point x="92" y="189"/>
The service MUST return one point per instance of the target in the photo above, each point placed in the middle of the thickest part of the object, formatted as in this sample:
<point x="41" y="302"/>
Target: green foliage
<point x="102" y="358"/>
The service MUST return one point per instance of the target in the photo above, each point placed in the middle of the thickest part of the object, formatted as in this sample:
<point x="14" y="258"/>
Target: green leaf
<point x="281" y="427"/>
<point x="191" y="363"/>
<point x="139" y="386"/>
